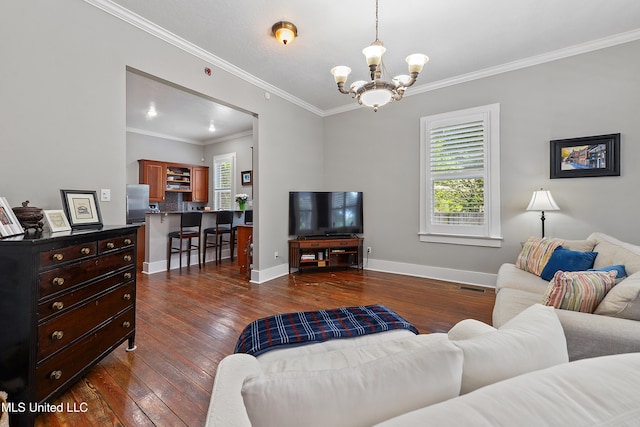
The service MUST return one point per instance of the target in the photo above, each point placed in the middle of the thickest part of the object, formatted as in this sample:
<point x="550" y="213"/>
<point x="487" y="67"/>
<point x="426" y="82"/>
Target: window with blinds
<point x="460" y="177"/>
<point x="223" y="184"/>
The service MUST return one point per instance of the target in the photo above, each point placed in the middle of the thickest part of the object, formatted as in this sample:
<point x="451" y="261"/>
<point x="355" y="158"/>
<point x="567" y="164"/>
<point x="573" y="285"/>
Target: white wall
<point x="590" y="94"/>
<point x="62" y="113"/>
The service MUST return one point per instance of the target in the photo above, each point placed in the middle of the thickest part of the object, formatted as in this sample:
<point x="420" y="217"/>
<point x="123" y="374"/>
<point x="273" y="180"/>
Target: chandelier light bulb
<point x="416" y="62"/>
<point x="340" y="73"/>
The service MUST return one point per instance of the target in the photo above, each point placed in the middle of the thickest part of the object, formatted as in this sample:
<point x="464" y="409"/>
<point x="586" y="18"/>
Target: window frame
<point x="231" y="158"/>
<point x="489" y="234"/>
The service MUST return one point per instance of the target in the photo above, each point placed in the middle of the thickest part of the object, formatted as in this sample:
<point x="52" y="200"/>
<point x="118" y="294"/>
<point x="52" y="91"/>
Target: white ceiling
<point x="463" y="38"/>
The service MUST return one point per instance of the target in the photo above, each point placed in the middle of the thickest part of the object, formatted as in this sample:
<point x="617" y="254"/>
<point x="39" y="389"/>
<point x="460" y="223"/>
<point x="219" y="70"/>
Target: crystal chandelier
<point x="379" y="92"/>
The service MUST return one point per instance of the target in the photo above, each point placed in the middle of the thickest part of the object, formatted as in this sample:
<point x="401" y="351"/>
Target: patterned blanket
<point x="293" y="329"/>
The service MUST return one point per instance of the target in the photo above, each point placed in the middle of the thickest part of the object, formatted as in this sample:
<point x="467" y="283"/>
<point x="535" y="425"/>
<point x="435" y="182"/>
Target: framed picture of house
<point x="56" y="220"/>
<point x="246" y="177"/>
<point x="9" y="224"/>
<point x="81" y="208"/>
<point x="589" y="156"/>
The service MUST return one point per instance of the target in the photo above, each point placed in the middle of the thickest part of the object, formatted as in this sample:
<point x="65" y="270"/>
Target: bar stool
<point x="190" y="226"/>
<point x="224" y="226"/>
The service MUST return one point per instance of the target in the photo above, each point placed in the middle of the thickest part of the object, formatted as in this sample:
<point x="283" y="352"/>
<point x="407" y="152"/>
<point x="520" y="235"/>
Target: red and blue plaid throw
<point x="293" y="329"/>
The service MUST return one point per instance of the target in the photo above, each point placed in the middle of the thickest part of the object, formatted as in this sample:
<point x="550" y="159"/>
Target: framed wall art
<point x="56" y="220"/>
<point x="589" y="156"/>
<point x="9" y="224"/>
<point x="81" y="208"/>
<point x="246" y="177"/>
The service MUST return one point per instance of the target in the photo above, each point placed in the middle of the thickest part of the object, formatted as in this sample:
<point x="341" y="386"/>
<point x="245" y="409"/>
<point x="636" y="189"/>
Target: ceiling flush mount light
<point x="378" y="91"/>
<point x="284" y="32"/>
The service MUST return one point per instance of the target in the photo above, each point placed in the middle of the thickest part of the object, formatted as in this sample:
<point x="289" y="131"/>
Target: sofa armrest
<point x="592" y="335"/>
<point x="226" y="407"/>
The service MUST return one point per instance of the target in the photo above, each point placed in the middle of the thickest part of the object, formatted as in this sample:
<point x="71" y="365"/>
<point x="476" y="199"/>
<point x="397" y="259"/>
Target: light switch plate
<point x="105" y="195"/>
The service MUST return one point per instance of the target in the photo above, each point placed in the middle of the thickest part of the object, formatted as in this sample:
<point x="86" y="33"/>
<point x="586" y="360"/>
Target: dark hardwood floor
<point x="188" y="320"/>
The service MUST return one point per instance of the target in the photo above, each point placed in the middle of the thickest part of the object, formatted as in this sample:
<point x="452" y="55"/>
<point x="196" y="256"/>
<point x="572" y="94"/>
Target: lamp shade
<point x="340" y="73"/>
<point x="374" y="53"/>
<point x="542" y="200"/>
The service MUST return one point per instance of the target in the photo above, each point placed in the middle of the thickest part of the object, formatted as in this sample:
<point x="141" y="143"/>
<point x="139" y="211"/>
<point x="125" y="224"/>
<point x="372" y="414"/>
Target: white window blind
<point x="223" y="183"/>
<point x="460" y="177"/>
<point x="456" y="160"/>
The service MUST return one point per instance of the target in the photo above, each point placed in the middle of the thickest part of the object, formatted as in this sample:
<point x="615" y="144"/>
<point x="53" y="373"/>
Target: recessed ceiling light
<point x="212" y="128"/>
<point x="152" y="111"/>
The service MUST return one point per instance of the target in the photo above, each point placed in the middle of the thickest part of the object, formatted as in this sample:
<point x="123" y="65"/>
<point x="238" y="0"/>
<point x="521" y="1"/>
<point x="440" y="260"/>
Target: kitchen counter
<point x="158" y="226"/>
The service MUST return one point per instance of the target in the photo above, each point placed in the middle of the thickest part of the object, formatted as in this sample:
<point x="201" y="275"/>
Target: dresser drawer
<point x="61" y="330"/>
<point x="64" y="255"/>
<point x="115" y="243"/>
<point x="63" y="278"/>
<point x="63" y="303"/>
<point x="58" y="370"/>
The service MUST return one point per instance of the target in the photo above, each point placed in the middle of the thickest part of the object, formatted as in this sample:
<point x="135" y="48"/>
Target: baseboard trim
<point x="431" y="272"/>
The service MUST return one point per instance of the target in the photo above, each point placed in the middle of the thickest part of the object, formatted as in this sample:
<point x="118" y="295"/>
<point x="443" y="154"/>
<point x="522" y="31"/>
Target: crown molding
<point x="159" y="32"/>
<point x="229" y="137"/>
<point x="155" y="30"/>
<point x="162" y="135"/>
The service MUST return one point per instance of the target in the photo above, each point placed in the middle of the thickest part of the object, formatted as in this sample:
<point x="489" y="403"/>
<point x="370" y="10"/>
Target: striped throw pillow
<point x="536" y="253"/>
<point x="578" y="290"/>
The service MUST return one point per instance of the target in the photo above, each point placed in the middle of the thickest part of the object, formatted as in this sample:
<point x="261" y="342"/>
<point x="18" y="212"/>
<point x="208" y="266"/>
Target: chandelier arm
<point x="341" y="88"/>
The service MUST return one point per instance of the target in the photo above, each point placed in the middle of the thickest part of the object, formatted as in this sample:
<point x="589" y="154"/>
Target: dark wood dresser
<point x="66" y="300"/>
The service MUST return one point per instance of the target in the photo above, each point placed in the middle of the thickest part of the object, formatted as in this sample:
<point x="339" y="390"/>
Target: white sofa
<point x="613" y="328"/>
<point x="474" y="375"/>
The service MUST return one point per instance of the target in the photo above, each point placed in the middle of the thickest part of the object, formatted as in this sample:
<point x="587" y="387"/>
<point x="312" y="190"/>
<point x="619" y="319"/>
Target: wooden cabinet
<point x="154" y="174"/>
<point x="325" y="252"/>
<point x="168" y="177"/>
<point x="245" y="248"/>
<point x="67" y="301"/>
<point x="200" y="184"/>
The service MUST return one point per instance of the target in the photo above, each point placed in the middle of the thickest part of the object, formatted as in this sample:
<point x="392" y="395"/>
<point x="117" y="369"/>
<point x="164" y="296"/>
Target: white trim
<point x="155" y="30"/>
<point x="162" y="135"/>
<point x="262" y="276"/>
<point x="229" y="137"/>
<point x="431" y="272"/>
<point x="488" y="234"/>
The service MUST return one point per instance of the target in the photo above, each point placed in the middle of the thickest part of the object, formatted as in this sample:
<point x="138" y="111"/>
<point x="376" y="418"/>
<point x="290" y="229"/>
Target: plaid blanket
<point x="292" y="329"/>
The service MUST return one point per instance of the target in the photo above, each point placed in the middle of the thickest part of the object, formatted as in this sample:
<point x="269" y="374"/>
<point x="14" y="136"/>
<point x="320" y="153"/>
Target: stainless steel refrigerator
<point x="137" y="202"/>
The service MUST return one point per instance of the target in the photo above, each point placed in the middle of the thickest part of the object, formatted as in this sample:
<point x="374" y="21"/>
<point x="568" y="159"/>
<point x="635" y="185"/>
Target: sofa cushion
<point x="623" y="300"/>
<point x="350" y="357"/>
<point x="532" y="340"/>
<point x="567" y="260"/>
<point x="612" y="251"/>
<point x="578" y="290"/>
<point x="357" y="396"/>
<point x="469" y="328"/>
<point x="511" y="302"/>
<point x="597" y="392"/>
<point x="509" y="276"/>
<point x="536" y="253"/>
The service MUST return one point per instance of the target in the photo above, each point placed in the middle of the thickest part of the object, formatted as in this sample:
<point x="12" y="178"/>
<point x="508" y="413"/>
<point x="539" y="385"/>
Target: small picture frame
<point x="81" y="208"/>
<point x="590" y="156"/>
<point x="56" y="220"/>
<point x="246" y="177"/>
<point x="9" y="224"/>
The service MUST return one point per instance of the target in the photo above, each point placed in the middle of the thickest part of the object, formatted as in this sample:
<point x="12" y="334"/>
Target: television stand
<point x="325" y="252"/>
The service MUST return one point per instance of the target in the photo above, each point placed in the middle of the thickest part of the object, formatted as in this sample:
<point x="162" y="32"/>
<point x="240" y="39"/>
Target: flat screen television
<point x="325" y="213"/>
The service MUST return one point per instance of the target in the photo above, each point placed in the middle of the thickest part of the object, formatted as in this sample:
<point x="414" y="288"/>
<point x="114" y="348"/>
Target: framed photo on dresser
<point x="81" y="208"/>
<point x="9" y="224"/>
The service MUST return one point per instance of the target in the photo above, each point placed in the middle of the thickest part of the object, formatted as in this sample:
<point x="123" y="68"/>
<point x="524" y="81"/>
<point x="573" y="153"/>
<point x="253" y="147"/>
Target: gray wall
<point x="242" y="146"/>
<point x="590" y="94"/>
<point x="63" y="114"/>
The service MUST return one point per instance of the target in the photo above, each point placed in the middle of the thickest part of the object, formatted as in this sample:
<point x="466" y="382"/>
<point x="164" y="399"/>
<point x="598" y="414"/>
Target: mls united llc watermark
<point x="23" y="407"/>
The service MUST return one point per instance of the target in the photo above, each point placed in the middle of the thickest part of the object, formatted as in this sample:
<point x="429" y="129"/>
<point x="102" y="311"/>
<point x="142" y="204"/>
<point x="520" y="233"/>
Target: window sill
<point x="454" y="239"/>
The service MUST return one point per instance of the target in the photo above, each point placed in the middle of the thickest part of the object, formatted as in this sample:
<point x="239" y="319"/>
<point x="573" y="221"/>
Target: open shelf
<point x="325" y="253"/>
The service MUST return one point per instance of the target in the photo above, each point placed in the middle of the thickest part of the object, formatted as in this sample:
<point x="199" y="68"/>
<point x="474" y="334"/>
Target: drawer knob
<point x="57" y="335"/>
<point x="58" y="257"/>
<point x="85" y="251"/>
<point x="126" y="297"/>
<point x="127" y="258"/>
<point x="55" y="375"/>
<point x="58" y="305"/>
<point x="126" y="324"/>
<point x="127" y="275"/>
<point x="110" y="245"/>
<point x="127" y="241"/>
<point x="58" y="281"/>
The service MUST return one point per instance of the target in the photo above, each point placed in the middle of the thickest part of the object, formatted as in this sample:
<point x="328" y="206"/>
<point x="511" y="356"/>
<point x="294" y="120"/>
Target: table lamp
<point x="542" y="200"/>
